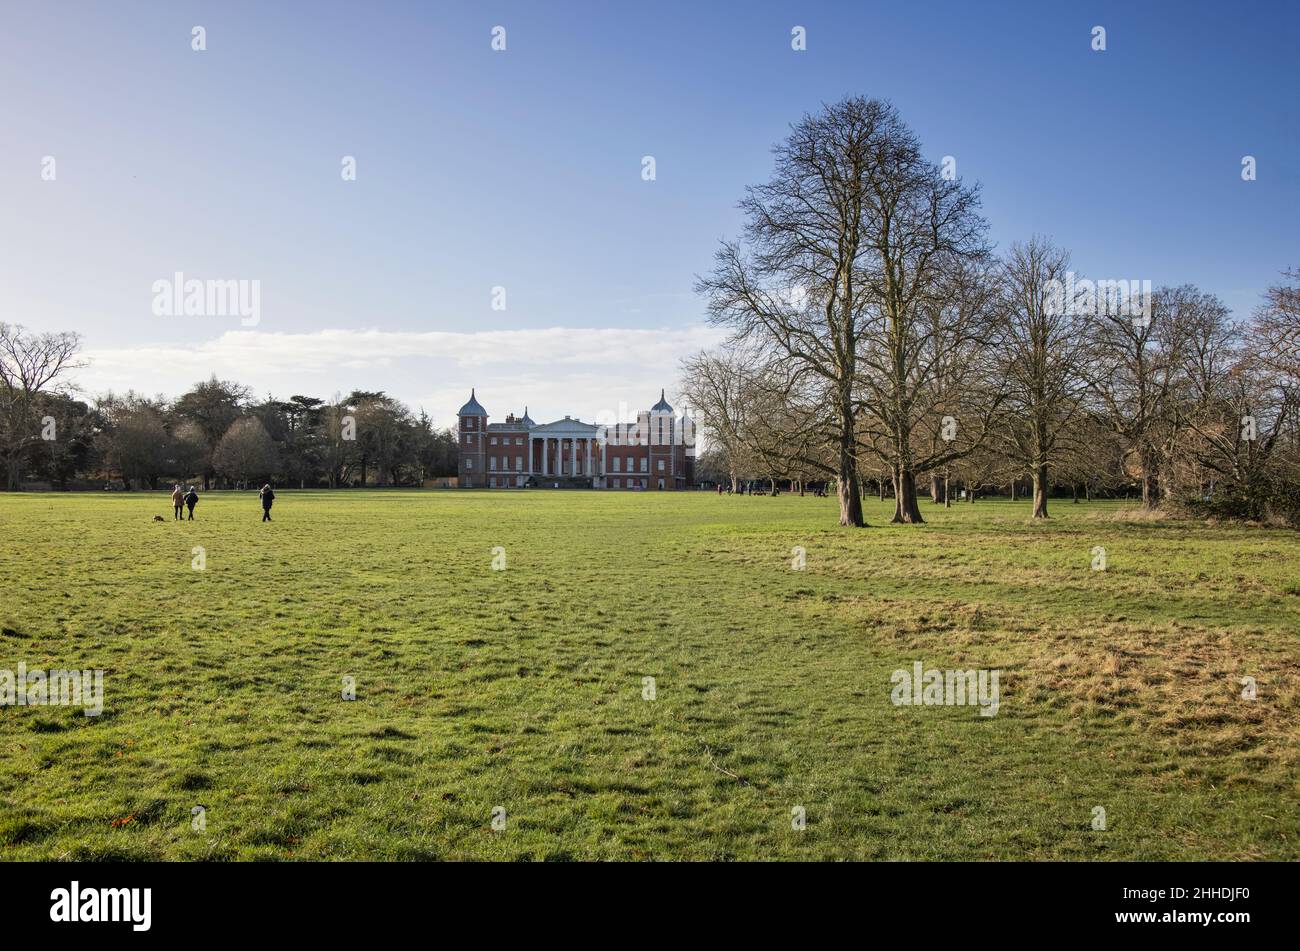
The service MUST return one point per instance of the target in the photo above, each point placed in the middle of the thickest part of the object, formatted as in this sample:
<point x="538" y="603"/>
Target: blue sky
<point x="522" y="169"/>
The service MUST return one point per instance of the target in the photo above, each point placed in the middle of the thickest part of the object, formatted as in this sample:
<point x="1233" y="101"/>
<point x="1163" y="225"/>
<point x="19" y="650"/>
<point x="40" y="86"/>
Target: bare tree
<point x="845" y="240"/>
<point x="929" y="381"/>
<point x="246" y="451"/>
<point x="1275" y="330"/>
<point x="1134" y="370"/>
<point x="1045" y="355"/>
<point x="213" y="406"/>
<point x="717" y="386"/>
<point x="134" y="440"/>
<point x="1236" y="407"/>
<point x="30" y="367"/>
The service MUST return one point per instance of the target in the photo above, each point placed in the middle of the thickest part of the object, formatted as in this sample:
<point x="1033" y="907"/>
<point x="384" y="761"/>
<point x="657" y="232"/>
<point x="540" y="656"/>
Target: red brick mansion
<point x="655" y="452"/>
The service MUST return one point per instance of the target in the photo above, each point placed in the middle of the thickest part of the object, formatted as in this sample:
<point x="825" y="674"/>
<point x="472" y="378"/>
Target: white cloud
<point x="553" y="371"/>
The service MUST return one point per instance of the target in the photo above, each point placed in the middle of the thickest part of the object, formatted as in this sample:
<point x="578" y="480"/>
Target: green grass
<point x="522" y="688"/>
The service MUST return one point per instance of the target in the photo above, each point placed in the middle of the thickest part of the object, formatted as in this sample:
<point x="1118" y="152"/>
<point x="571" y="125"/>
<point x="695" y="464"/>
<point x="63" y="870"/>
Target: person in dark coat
<point x="267" y="497"/>
<point x="191" y="500"/>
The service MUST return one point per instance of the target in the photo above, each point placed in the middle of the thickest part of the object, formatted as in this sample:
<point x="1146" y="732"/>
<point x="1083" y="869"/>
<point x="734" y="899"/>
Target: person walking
<point x="267" y="497"/>
<point x="177" y="496"/>
<point x="191" y="500"/>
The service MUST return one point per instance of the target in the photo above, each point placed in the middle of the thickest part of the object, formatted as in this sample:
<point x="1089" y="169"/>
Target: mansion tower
<point x="655" y="452"/>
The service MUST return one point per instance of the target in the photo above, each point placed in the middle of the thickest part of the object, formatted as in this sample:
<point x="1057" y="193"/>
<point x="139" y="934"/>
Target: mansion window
<point x="645" y="464"/>
<point x="492" y="463"/>
<point x="493" y="441"/>
<point x="519" y="462"/>
<point x="618" y="460"/>
<point x="661" y="465"/>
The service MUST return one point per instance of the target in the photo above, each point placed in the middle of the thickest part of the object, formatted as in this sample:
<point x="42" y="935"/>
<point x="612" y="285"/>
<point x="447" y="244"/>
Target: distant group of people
<point x="743" y="488"/>
<point x="188" y="498"/>
<point x="752" y="488"/>
<point x="182" y="499"/>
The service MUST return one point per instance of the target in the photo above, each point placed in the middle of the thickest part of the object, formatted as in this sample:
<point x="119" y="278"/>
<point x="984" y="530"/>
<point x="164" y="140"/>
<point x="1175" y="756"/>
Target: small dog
<point x="159" y="518"/>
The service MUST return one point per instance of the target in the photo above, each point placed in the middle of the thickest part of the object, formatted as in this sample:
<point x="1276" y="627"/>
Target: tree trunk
<point x="1013" y="490"/>
<point x="850" y="500"/>
<point x="947" y="491"/>
<point x="1074" y="491"/>
<point x="906" y="511"/>
<point x="970" y="494"/>
<point x="850" y="497"/>
<point x="1150" y="482"/>
<point x="1040" y="490"/>
<point x="935" y="497"/>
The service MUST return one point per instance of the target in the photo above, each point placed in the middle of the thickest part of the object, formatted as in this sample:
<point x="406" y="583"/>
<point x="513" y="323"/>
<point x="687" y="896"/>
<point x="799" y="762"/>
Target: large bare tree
<point x="847" y="239"/>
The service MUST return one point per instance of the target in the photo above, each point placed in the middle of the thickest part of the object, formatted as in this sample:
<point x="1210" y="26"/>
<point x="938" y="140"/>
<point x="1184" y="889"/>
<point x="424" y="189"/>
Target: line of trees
<point x="876" y="337"/>
<point x="216" y="432"/>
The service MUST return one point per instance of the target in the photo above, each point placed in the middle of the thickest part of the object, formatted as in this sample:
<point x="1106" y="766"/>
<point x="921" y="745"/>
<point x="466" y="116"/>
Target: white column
<point x="587" y="444"/>
<point x="546" y="459"/>
<point x="573" y="456"/>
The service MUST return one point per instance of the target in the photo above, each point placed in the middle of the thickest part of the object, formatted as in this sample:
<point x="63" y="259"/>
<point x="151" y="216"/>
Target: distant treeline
<point x="216" y="432"/>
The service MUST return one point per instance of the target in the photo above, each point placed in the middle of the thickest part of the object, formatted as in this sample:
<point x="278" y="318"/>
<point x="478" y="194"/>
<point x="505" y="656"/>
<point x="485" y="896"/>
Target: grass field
<point x="523" y="688"/>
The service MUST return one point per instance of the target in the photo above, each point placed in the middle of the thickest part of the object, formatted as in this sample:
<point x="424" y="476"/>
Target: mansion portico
<point x="655" y="452"/>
